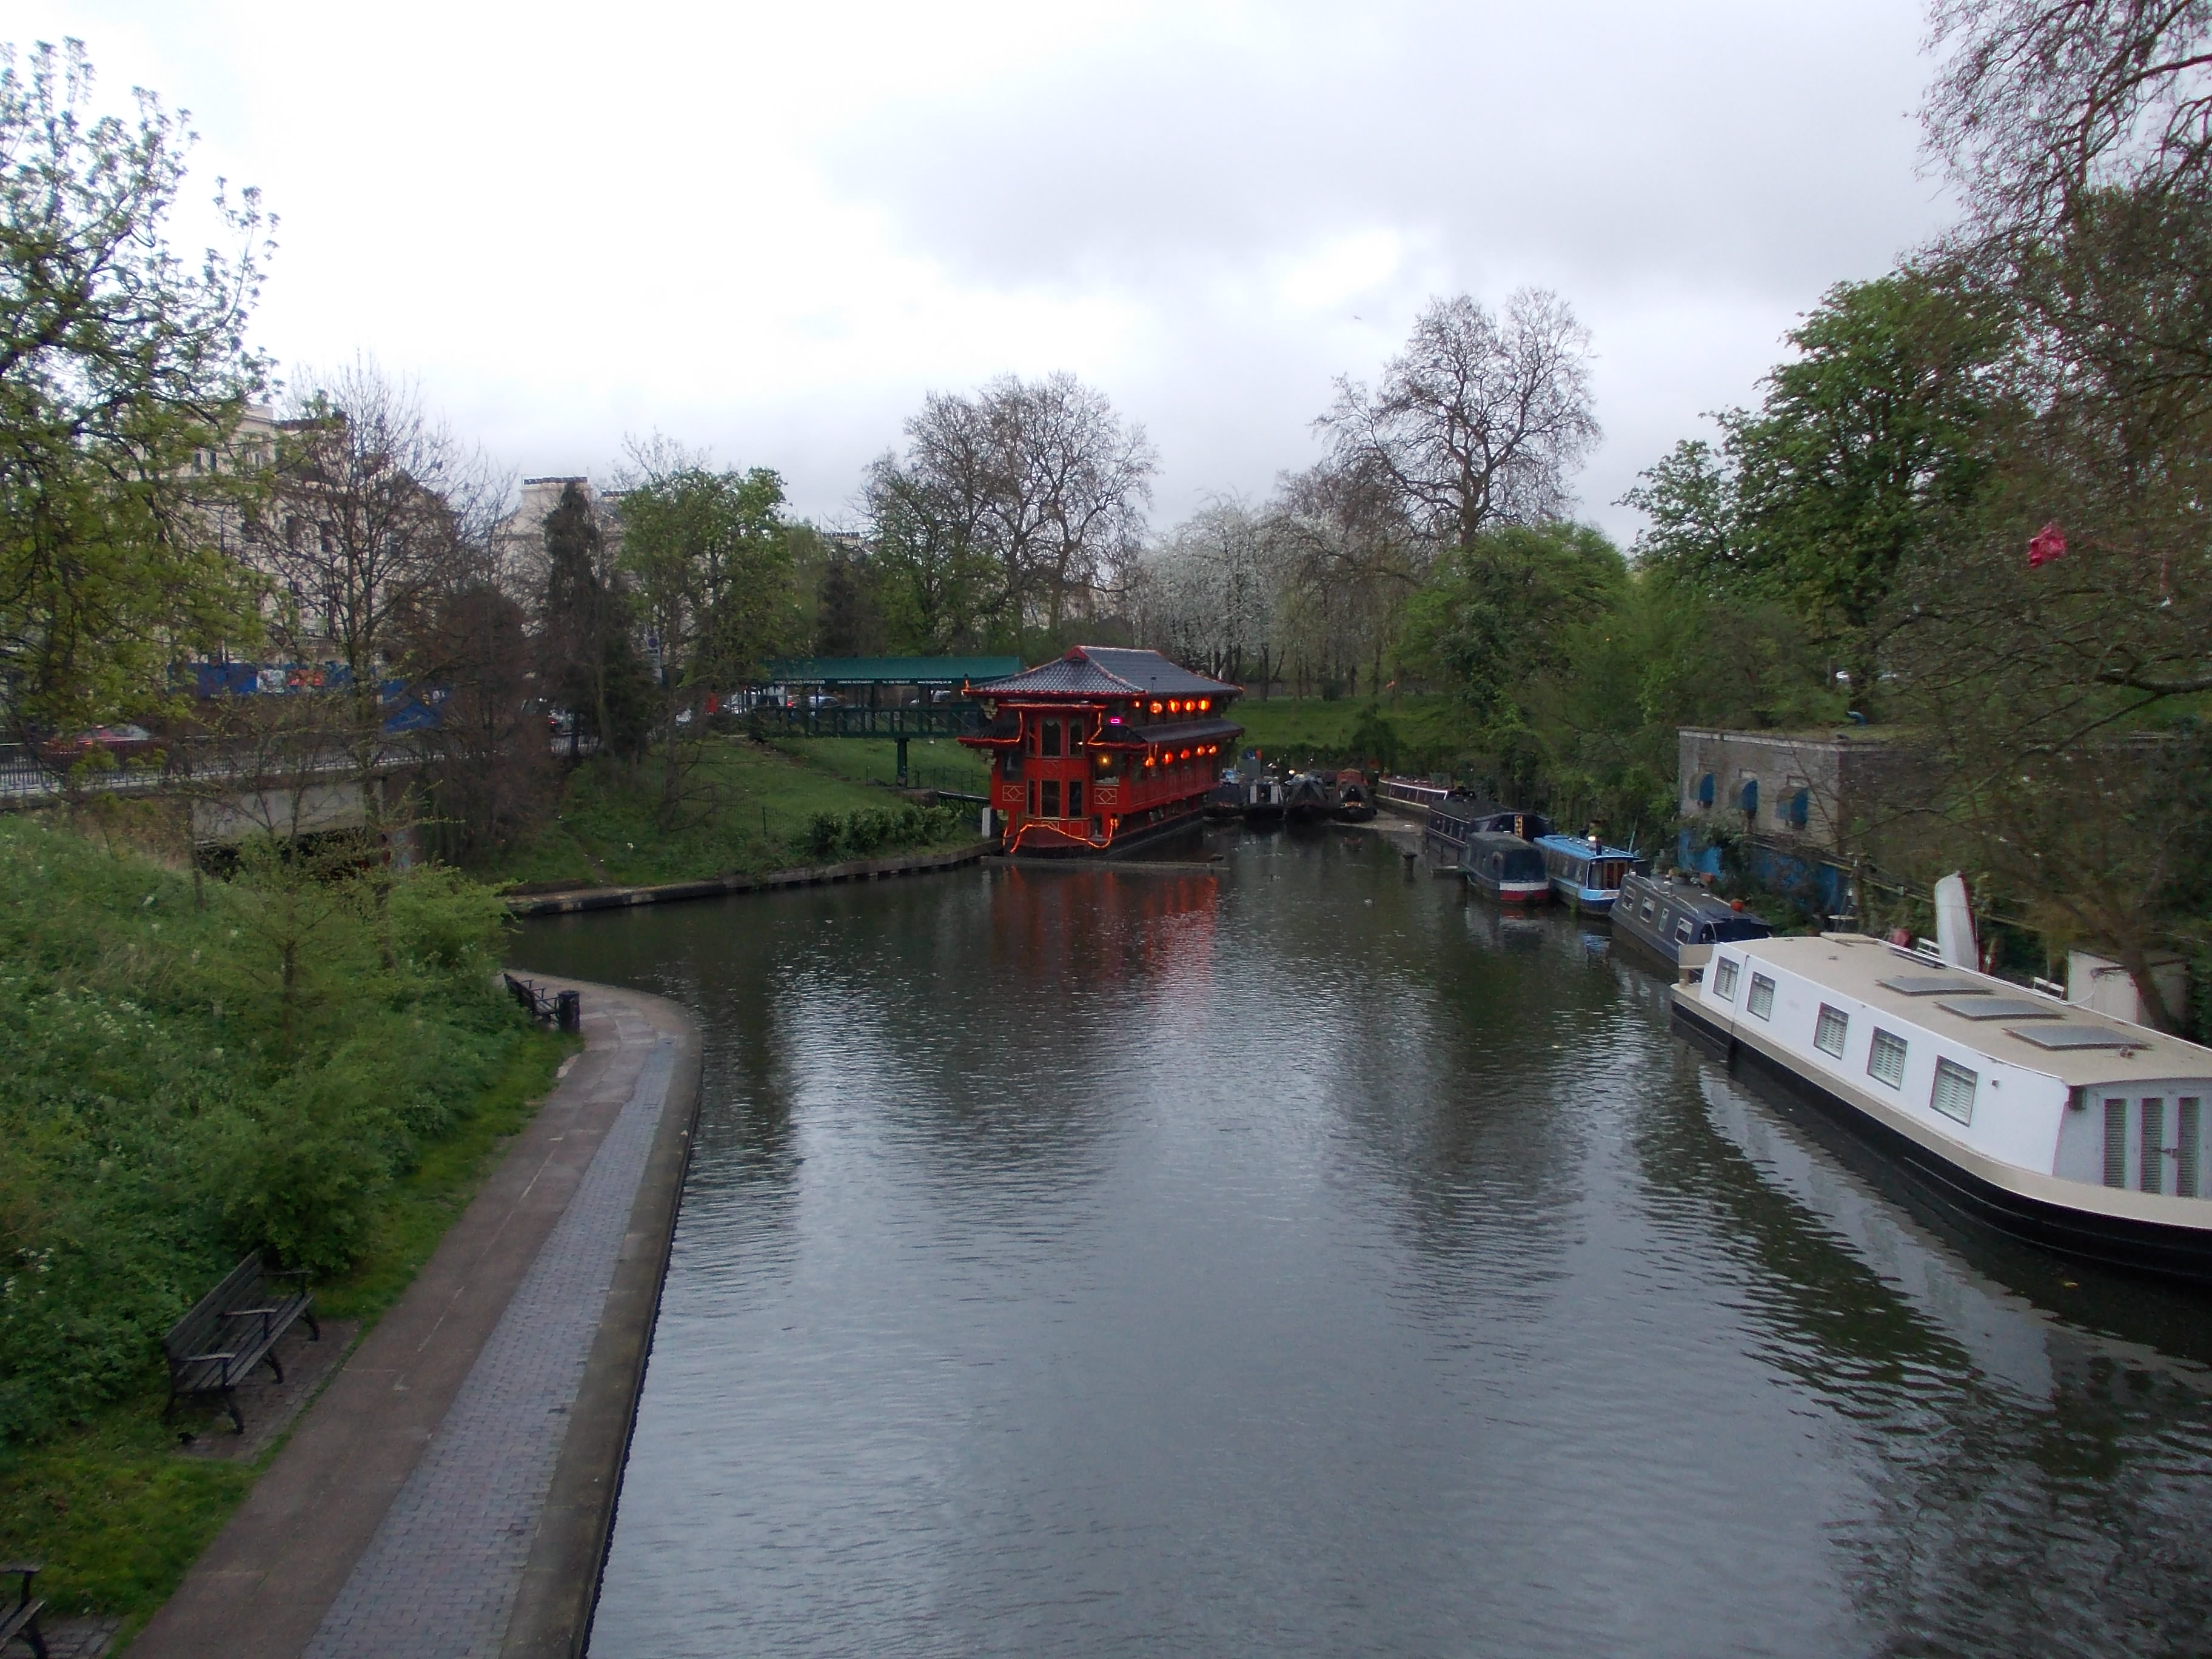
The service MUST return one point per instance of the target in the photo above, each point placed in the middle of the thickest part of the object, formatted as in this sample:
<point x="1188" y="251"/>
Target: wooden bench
<point x="20" y="1622"/>
<point x="235" y="1327"/>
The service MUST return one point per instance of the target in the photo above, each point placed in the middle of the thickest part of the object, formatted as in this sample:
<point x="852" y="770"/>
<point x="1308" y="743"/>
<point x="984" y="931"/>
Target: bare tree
<point x="2041" y="102"/>
<point x="377" y="515"/>
<point x="1012" y="512"/>
<point x="1475" y="423"/>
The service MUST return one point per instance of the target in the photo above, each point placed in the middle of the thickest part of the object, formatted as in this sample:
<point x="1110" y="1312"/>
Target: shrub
<point x="180" y="1084"/>
<point x="872" y="829"/>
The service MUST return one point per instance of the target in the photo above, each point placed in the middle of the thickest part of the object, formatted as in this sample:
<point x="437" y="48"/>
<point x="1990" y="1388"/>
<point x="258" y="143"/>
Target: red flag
<point x="2049" y="543"/>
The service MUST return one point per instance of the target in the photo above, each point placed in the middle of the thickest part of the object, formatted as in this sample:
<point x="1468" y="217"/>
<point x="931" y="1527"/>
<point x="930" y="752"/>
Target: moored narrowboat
<point x="1459" y="815"/>
<point x="1355" y="802"/>
<point x="1308" y="798"/>
<point x="2074" y="1130"/>
<point x="1585" y="872"/>
<point x="1412" y="796"/>
<point x="1264" y="800"/>
<point x="1662" y="915"/>
<point x="1505" y="868"/>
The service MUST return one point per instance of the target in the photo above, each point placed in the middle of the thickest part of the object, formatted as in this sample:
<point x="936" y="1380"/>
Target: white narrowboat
<point x="2079" y="1131"/>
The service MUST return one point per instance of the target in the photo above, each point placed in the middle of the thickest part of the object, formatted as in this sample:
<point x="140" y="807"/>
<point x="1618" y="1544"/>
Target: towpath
<point x="449" y="1493"/>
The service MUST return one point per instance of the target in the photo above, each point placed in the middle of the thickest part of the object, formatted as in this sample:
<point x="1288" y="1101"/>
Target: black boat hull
<point x="2121" y="1242"/>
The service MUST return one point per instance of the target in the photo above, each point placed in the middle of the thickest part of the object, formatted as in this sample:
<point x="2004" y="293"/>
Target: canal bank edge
<point x="560" y="1587"/>
<point x="616" y="898"/>
<point x="276" y="1582"/>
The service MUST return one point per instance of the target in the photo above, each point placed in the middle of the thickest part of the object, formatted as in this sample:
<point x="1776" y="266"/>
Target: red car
<point x="120" y="741"/>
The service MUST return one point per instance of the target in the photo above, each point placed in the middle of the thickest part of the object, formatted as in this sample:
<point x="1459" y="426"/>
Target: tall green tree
<point x="121" y="366"/>
<point x="1497" y="616"/>
<point x="709" y="557"/>
<point x="1869" y="447"/>
<point x="588" y="658"/>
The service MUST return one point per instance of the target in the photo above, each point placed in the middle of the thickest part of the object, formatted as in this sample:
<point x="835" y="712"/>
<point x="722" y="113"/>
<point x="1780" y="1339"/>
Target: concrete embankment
<point x="451" y="1492"/>
<point x="616" y="898"/>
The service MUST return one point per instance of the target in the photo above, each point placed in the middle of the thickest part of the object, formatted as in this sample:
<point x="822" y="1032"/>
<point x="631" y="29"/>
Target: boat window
<point x="1724" y="980"/>
<point x="1013" y="762"/>
<point x="1649" y="905"/>
<point x="1074" y="800"/>
<point x="1760" y="1002"/>
<point x="1953" y="1093"/>
<point x="1052" y="798"/>
<point x="1051" y="738"/>
<point x="2190" y="1131"/>
<point x="1033" y="812"/>
<point x="1683" y="930"/>
<point x="2151" y="1175"/>
<point x="2116" y="1143"/>
<point x="1886" y="1058"/>
<point x="1828" y="1037"/>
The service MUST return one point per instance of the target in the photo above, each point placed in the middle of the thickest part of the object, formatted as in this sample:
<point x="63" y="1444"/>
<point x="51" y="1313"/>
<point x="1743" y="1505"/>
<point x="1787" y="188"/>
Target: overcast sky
<point x="767" y="230"/>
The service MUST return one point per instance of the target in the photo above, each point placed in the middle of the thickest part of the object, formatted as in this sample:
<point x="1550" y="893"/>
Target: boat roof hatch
<point x="2074" y="1036"/>
<point x="1927" y="985"/>
<point x="1989" y="1007"/>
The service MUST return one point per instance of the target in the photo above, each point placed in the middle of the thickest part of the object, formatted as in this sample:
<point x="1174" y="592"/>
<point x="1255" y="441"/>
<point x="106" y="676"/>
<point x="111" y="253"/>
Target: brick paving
<point x="440" y="1577"/>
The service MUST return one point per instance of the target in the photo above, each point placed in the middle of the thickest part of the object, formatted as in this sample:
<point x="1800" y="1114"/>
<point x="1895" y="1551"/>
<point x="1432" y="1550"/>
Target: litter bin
<point x="568" y="1010"/>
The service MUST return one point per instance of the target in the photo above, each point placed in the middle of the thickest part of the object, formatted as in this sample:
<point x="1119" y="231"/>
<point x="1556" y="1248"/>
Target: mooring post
<point x="902" y="762"/>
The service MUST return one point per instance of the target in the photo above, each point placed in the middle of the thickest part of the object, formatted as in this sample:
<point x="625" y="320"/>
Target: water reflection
<point x="1310" y="1259"/>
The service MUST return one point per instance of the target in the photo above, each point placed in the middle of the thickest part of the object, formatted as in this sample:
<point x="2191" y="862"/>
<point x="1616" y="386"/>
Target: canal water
<point x="1305" y="1259"/>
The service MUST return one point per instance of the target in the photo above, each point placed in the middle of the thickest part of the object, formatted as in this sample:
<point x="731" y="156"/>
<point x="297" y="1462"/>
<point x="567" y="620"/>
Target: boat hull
<point x="1518" y="896"/>
<point x="2133" y="1245"/>
<point x="1049" y="847"/>
<point x="1597" y="900"/>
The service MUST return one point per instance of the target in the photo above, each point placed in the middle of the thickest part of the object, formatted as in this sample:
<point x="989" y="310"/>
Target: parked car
<point x="825" y="699"/>
<point x="120" y="741"/>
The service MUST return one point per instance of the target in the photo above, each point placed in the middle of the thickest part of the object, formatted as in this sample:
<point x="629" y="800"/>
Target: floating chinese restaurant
<point x="1101" y="750"/>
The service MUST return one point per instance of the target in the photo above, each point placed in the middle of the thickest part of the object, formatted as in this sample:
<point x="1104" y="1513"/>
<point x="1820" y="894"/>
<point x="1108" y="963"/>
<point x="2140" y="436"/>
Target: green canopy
<point x="889" y="671"/>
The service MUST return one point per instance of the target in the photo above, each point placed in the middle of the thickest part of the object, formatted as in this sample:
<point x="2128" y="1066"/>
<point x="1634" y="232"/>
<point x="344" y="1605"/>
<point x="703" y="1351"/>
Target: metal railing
<point x="916" y="720"/>
<point x="26" y="776"/>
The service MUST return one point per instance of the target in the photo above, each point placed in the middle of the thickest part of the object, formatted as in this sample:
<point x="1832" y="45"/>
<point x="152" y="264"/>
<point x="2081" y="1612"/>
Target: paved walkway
<point x="449" y="1493"/>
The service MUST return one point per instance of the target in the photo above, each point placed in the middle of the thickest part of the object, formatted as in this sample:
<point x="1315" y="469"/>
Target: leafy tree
<point x="848" y="623"/>
<point x="121" y="365"/>
<point x="590" y="662"/>
<point x="1867" y="447"/>
<point x="710" y="562"/>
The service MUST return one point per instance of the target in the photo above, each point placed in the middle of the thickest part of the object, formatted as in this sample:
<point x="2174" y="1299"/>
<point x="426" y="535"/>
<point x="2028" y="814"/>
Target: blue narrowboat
<point x="1585" y="872"/>
<point x="1662" y="915"/>
<point x="1457" y="816"/>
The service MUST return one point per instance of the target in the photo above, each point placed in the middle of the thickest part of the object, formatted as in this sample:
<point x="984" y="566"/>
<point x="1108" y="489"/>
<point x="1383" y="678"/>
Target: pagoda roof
<point x="1143" y="737"/>
<point x="1102" y="671"/>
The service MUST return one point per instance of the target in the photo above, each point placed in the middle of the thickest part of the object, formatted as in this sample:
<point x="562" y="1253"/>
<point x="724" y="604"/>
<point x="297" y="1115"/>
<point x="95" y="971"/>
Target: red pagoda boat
<point x="1101" y="750"/>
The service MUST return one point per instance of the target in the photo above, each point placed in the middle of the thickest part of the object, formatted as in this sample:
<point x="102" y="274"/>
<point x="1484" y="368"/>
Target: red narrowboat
<point x="1101" y="750"/>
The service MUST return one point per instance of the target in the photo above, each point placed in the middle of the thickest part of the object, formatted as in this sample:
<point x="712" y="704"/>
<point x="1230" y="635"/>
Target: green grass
<point x="425" y="1202"/>
<point x="115" y="1514"/>
<point x="745" y="810"/>
<point x="1295" y="730"/>
<point x="932" y="762"/>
